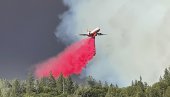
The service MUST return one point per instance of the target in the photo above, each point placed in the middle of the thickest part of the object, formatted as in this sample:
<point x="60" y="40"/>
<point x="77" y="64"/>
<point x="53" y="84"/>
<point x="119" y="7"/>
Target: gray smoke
<point x="138" y="40"/>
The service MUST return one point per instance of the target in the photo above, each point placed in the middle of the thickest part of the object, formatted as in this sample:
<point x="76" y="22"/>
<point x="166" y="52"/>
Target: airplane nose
<point x="98" y="30"/>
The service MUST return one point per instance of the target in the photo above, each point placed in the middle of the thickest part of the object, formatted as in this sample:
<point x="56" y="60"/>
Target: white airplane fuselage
<point x="93" y="33"/>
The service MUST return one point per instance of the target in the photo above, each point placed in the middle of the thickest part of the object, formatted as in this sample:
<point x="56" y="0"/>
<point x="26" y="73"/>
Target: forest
<point x="66" y="87"/>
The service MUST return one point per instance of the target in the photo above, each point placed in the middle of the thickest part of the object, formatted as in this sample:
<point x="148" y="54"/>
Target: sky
<point x="27" y="34"/>
<point x="137" y="43"/>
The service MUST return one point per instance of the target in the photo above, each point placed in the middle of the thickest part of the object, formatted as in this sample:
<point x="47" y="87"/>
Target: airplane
<point x="93" y="33"/>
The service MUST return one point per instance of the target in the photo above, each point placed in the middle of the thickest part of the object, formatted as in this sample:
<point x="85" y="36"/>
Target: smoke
<point x="71" y="61"/>
<point x="138" y="40"/>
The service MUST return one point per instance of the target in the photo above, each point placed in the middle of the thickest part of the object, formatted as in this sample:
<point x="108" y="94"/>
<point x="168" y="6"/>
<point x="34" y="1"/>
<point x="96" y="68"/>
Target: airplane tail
<point x="101" y="34"/>
<point x="83" y="34"/>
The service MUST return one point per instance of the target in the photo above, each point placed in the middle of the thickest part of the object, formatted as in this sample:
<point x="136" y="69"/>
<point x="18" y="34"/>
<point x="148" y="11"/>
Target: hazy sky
<point x="27" y="34"/>
<point x="138" y="36"/>
<point x="137" y="42"/>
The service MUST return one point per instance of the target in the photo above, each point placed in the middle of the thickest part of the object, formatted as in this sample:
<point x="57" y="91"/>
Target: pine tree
<point x="167" y="92"/>
<point x="140" y="78"/>
<point x="42" y="85"/>
<point x="76" y="86"/>
<point x="69" y="86"/>
<point x="6" y="84"/>
<point x="110" y="91"/>
<point x="160" y="79"/>
<point x="99" y="84"/>
<point x="30" y="84"/>
<point x="106" y="84"/>
<point x="37" y="86"/>
<point x="155" y="92"/>
<point x="167" y="76"/>
<point x="16" y="91"/>
<point x="52" y="81"/>
<point x="91" y="81"/>
<point x="23" y="86"/>
<point x="132" y="84"/>
<point x="0" y="93"/>
<point x="6" y="88"/>
<point x="60" y="84"/>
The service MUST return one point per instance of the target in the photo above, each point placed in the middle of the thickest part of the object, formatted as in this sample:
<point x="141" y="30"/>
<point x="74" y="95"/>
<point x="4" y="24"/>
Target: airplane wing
<point x="101" y="34"/>
<point x="83" y="34"/>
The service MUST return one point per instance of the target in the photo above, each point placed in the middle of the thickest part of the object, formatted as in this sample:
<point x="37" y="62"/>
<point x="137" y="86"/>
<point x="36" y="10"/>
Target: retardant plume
<point x="137" y="42"/>
<point x="71" y="61"/>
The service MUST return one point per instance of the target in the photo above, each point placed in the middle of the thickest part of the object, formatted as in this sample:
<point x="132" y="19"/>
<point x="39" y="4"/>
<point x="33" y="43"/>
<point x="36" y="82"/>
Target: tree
<point x="0" y="93"/>
<point x="160" y="79"/>
<point x="76" y="86"/>
<point x="106" y="86"/>
<point x="110" y="92"/>
<point x="91" y="81"/>
<point x="155" y="92"/>
<point x="99" y="85"/>
<point x="140" y="92"/>
<point x="52" y="81"/>
<point x="23" y="86"/>
<point x="16" y="90"/>
<point x="60" y="84"/>
<point x="43" y="85"/>
<point x="132" y="84"/>
<point x="37" y="86"/>
<point x="160" y="87"/>
<point x="91" y="92"/>
<point x="167" y="76"/>
<point x="131" y="90"/>
<point x="69" y="86"/>
<point x="167" y="93"/>
<point x="6" y="92"/>
<point x="30" y="84"/>
<point x="123" y="93"/>
<point x="6" y="88"/>
<point x="140" y="78"/>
